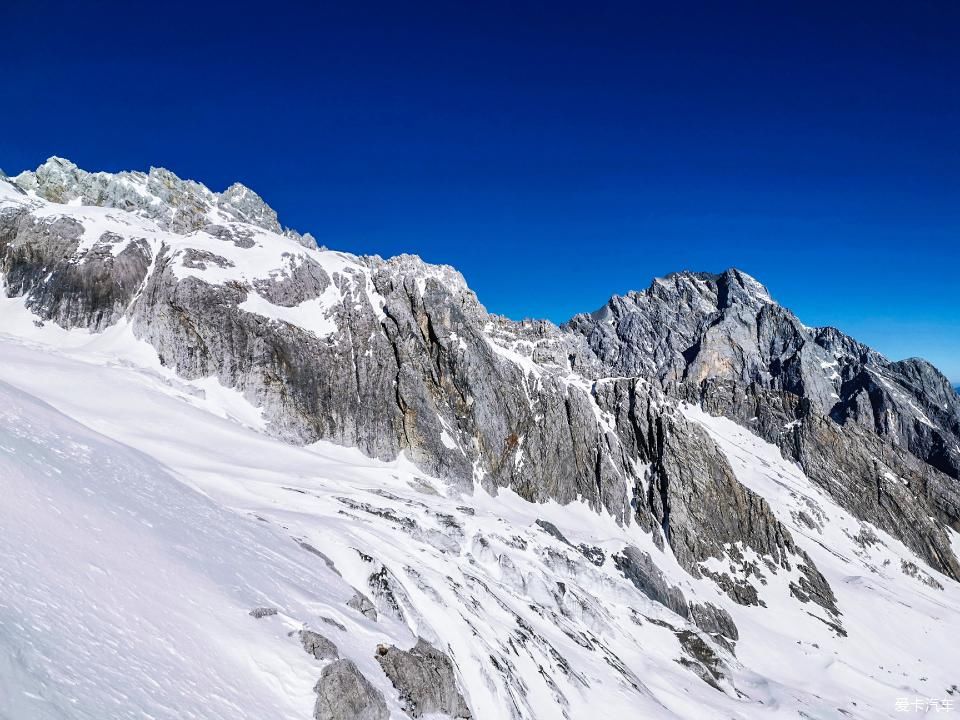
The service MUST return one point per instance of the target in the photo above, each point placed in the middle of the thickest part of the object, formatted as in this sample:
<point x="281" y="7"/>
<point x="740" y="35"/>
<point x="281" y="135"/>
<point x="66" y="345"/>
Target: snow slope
<point x="125" y="593"/>
<point x="901" y="618"/>
<point x="145" y="516"/>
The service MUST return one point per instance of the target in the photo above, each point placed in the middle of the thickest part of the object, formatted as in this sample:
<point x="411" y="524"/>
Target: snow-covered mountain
<point x="246" y="476"/>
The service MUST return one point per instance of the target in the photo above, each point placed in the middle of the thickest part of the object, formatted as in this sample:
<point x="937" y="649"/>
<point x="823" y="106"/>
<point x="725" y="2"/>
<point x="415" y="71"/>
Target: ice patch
<point x="311" y="315"/>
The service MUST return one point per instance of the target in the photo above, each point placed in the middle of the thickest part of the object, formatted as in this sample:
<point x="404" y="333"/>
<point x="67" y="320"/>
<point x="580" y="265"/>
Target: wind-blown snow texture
<point x="244" y="476"/>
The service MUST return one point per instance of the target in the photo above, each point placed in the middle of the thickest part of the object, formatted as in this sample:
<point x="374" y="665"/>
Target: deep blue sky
<point x="555" y="153"/>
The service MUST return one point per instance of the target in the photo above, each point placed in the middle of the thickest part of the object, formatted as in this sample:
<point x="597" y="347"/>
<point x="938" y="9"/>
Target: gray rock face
<point x="423" y="378"/>
<point x="39" y="257"/>
<point x="688" y="479"/>
<point x="362" y="604"/>
<point x="639" y="569"/>
<point x="690" y="328"/>
<point x="321" y="647"/>
<point x="425" y="679"/>
<point x="343" y="693"/>
<point x="262" y="612"/>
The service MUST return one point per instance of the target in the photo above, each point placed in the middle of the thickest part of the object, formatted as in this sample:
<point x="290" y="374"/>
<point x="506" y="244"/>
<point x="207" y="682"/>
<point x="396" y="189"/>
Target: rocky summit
<point x="684" y="504"/>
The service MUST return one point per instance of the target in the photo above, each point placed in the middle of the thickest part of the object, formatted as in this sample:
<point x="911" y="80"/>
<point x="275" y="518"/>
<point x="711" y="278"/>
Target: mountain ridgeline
<point x="399" y="356"/>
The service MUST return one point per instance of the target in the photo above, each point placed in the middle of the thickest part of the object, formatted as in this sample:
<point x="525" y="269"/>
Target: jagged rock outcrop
<point x="262" y="612"/>
<point x="362" y="604"/>
<point x="180" y="206"/>
<point x="425" y="679"/>
<point x="320" y="646"/>
<point x="638" y="568"/>
<point x="343" y="693"/>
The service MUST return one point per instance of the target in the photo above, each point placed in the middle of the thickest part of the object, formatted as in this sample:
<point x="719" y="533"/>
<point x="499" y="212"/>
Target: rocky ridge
<point x="882" y="437"/>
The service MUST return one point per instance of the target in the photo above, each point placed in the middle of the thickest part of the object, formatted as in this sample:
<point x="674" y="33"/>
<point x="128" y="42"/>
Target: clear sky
<point x="555" y="152"/>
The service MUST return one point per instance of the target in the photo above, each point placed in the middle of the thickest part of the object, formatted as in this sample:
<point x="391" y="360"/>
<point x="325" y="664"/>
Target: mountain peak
<point x="705" y="290"/>
<point x="732" y="285"/>
<point x="249" y="206"/>
<point x="747" y="281"/>
<point x="161" y="195"/>
<point x="57" y="162"/>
